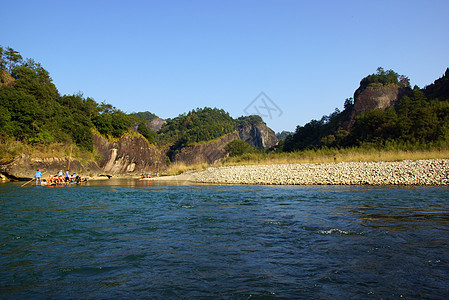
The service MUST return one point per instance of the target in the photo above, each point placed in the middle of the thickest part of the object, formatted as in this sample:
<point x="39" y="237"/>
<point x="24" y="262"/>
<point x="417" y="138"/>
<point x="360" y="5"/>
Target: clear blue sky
<point x="169" y="57"/>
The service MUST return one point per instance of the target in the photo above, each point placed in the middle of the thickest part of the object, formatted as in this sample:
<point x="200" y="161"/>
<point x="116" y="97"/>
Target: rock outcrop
<point x="252" y="130"/>
<point x="374" y="96"/>
<point x="255" y="132"/>
<point x="210" y="152"/>
<point x="156" y="124"/>
<point x="129" y="155"/>
<point x="24" y="166"/>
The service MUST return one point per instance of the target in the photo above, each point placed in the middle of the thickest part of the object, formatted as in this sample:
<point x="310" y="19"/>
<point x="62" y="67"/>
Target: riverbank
<point x="420" y="172"/>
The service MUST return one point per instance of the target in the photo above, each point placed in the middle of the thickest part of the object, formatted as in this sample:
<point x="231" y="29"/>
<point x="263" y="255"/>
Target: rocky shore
<point x="421" y="172"/>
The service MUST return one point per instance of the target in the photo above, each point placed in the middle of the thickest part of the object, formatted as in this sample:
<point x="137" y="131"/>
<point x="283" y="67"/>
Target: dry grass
<point x="179" y="168"/>
<point x="336" y="155"/>
<point x="57" y="150"/>
<point x="9" y="149"/>
<point x="316" y="156"/>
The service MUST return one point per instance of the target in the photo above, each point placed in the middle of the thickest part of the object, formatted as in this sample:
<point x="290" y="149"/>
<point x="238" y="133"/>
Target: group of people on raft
<point x="148" y="175"/>
<point x="60" y="178"/>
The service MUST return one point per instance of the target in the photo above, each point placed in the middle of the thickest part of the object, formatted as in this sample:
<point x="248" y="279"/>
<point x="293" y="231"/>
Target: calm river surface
<point x="134" y="239"/>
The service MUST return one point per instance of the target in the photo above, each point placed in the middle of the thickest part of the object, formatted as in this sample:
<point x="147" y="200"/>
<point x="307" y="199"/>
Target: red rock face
<point x="129" y="155"/>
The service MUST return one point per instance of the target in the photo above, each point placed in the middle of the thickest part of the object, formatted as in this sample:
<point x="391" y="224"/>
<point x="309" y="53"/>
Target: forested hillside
<point x="33" y="111"/>
<point x="202" y="124"/>
<point x="420" y="119"/>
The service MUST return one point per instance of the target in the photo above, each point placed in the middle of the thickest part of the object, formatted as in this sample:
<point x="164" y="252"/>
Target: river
<point x="134" y="239"/>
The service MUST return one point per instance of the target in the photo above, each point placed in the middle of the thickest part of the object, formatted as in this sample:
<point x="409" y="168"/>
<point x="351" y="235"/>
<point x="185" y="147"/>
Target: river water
<point x="134" y="239"/>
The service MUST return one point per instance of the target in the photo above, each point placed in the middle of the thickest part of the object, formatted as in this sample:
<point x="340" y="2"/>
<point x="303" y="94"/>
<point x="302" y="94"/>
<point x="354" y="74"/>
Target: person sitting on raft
<point x="145" y="176"/>
<point x="58" y="179"/>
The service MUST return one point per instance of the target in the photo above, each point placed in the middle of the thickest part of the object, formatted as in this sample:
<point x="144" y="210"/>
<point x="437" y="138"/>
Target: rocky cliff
<point x="210" y="152"/>
<point x="129" y="155"/>
<point x="156" y="124"/>
<point x="255" y="132"/>
<point x="132" y="154"/>
<point x="374" y="96"/>
<point x="24" y="166"/>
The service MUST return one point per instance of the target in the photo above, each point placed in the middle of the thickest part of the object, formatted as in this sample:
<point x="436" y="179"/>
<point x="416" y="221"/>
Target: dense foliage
<point x="385" y="78"/>
<point x="145" y="116"/>
<point x="143" y="120"/>
<point x="415" y="121"/>
<point x="316" y="133"/>
<point x="33" y="111"/>
<point x="202" y="124"/>
<point x="248" y="120"/>
<point x="238" y="147"/>
<point x="420" y="119"/>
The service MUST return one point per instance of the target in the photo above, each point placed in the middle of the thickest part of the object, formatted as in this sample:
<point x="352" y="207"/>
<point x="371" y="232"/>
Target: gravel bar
<point x="420" y="172"/>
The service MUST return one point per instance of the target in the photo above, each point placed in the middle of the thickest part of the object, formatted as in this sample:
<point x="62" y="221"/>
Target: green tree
<point x="375" y="127"/>
<point x="149" y="134"/>
<point x="439" y="89"/>
<point x="32" y="64"/>
<point x="90" y="107"/>
<point x="2" y="60"/>
<point x="120" y="123"/>
<point x="82" y="136"/>
<point x="25" y="114"/>
<point x="238" y="147"/>
<point x="103" y="123"/>
<point x="13" y="58"/>
<point x="5" y="117"/>
<point x="144" y="116"/>
<point x="384" y="78"/>
<point x="202" y="124"/>
<point x="112" y="122"/>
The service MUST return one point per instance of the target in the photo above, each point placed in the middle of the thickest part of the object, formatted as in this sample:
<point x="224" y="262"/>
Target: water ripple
<point x="127" y="240"/>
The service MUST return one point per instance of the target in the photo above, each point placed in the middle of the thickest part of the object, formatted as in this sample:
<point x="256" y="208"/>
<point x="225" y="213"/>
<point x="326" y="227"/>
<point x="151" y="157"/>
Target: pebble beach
<point x="420" y="172"/>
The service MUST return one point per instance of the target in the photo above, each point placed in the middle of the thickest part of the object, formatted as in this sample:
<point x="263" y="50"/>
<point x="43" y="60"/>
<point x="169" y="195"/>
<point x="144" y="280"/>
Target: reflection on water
<point x="147" y="239"/>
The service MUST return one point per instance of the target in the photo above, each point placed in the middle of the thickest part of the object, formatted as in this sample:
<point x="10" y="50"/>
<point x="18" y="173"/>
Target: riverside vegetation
<point x="33" y="115"/>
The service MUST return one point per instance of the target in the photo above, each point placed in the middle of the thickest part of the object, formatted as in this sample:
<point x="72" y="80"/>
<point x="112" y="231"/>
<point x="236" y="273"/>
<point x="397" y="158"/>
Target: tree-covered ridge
<point x="33" y="111"/>
<point x="383" y="77"/>
<point x="248" y="120"/>
<point x="420" y="119"/>
<point x="318" y="133"/>
<point x="202" y="124"/>
<point x="144" y="116"/>
<point x="439" y="89"/>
